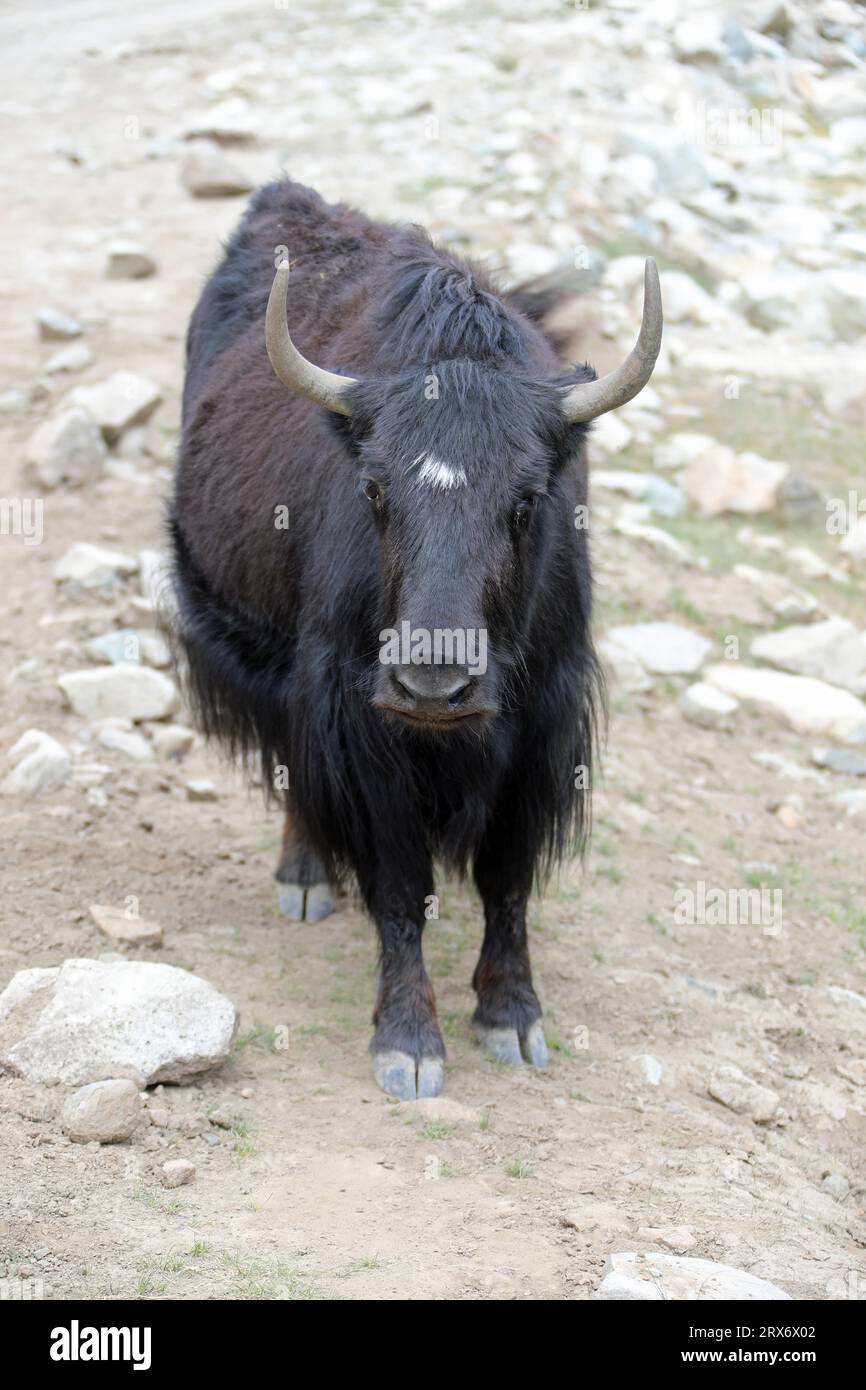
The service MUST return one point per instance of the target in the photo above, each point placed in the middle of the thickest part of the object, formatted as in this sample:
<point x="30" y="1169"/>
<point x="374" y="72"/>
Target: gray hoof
<point x="398" y="1075"/>
<point x="513" y="1048"/>
<point x="302" y="904"/>
<point x="534" y="1046"/>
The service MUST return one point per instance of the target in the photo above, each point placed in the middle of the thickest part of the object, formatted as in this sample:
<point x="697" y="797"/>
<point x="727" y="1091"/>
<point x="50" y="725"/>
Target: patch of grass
<point x="484" y="1122"/>
<point x="269" y="1280"/>
<point x="436" y="1129"/>
<point x="158" y="1200"/>
<point x="520" y="1168"/>
<point x="258" y="1036"/>
<point x="244" y="1140"/>
<point x="612" y="872"/>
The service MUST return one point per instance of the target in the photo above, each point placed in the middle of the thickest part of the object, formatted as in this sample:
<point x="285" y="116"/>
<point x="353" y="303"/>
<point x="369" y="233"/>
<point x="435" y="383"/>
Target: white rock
<point x="700" y="39"/>
<point x="42" y="764"/>
<point x="126" y="741"/>
<point x="722" y="481"/>
<point x="844" y="294"/>
<point x="105" y="1111"/>
<point x="662" y="1278"/>
<point x="201" y="789"/>
<point x="173" y="740"/>
<point x="780" y="597"/>
<point x="737" y="1092"/>
<point x="120" y="692"/>
<point x="208" y="173"/>
<point x="89" y="1020"/>
<point x="854" y="802"/>
<point x="127" y="260"/>
<point x="832" y="650"/>
<point x="663" y="648"/>
<point x="122" y="400"/>
<point x="129" y="645"/>
<point x="228" y="122"/>
<point x="656" y="538"/>
<point x="623" y="669"/>
<point x="705" y="705"/>
<point x="118" y="925"/>
<point x="86" y="566"/>
<point x="53" y="324"/>
<point x="846" y="996"/>
<point x="810" y="706"/>
<point x="73" y="358"/>
<point x="67" y="449"/>
<point x="681" y="448"/>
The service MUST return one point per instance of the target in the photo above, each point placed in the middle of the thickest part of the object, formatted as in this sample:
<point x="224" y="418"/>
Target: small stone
<point x="42" y="764"/>
<point x="172" y="740"/>
<point x="610" y="434"/>
<point x="842" y="760"/>
<point x="854" y="802"/>
<point x="208" y="173"/>
<point x="230" y="122"/>
<point x="681" y="448"/>
<point x="722" y="481"/>
<point x="67" y="449"/>
<point x="117" y="925"/>
<point x="177" y="1172"/>
<point x="700" y="39"/>
<point x="122" y="400"/>
<point x="736" y="1091"/>
<point x="86" y="566"/>
<point x="200" y="789"/>
<point x="126" y="741"/>
<point x="832" y="650"/>
<point x="663" y="648"/>
<point x="837" y="1186"/>
<point x="651" y="1068"/>
<point x="105" y="1111"/>
<point x="120" y="692"/>
<point x="676" y="1238"/>
<point x="73" y="358"/>
<point x="705" y="705"/>
<point x="53" y="324"/>
<point x="445" y="1109"/>
<point x="129" y="261"/>
<point x="846" y="996"/>
<point x="623" y="669"/>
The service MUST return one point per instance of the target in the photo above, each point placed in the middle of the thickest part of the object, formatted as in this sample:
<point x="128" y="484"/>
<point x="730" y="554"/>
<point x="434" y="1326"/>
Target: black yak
<point x="384" y="589"/>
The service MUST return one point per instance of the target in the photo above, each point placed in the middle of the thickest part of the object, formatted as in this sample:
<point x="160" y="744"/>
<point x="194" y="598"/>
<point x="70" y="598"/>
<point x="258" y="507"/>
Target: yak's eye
<point x="372" y="491"/>
<point x="524" y="509"/>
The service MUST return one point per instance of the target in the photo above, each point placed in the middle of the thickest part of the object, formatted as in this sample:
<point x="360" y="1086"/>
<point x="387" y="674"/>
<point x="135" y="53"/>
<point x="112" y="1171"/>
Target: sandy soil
<point x="310" y="1183"/>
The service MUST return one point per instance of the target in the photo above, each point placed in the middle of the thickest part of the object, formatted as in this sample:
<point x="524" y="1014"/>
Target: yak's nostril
<point x="432" y="686"/>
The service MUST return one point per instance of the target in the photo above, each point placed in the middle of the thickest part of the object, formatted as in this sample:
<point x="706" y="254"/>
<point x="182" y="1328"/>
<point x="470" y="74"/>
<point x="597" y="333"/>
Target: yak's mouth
<point x="437" y="723"/>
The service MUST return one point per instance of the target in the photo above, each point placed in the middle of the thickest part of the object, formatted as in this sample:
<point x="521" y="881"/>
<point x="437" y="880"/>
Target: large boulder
<point x="90" y="1020"/>
<point x="810" y="706"/>
<point x="662" y="1278"/>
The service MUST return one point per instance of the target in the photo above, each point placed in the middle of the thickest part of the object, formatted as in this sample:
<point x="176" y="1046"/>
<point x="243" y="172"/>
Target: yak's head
<point x="461" y="464"/>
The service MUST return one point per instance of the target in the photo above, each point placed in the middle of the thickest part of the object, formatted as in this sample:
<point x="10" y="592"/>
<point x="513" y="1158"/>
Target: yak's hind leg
<point x="507" y="1019"/>
<point x="304" y="893"/>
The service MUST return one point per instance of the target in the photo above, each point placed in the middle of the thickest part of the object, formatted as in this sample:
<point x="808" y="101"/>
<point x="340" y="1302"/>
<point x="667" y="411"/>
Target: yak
<point x="381" y="563"/>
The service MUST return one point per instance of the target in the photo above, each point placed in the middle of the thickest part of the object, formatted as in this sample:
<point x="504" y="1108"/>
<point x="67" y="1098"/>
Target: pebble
<point x="122" y="400"/>
<point x="41" y="764"/>
<point x="54" y="324"/>
<point x="118" y="925"/>
<point x="86" y="566"/>
<point x="200" y="789"/>
<point x="127" y="260"/>
<point x="177" y="1172"/>
<point x="736" y="1091"/>
<point x="172" y="740"/>
<point x="103" y="1111"/>
<point x="710" y="708"/>
<point x="68" y="448"/>
<point x="120" y="692"/>
<point x="207" y="173"/>
<point x="663" y="648"/>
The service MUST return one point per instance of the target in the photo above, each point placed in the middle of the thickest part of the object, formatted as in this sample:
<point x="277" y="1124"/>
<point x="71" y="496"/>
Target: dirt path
<point x="310" y="1183"/>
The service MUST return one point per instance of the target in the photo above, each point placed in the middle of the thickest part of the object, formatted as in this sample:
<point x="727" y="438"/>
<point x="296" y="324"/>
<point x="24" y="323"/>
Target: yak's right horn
<point x="588" y="399"/>
<point x="293" y="369"/>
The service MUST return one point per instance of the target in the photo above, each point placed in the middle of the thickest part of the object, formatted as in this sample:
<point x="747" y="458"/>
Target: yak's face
<point x="459" y="469"/>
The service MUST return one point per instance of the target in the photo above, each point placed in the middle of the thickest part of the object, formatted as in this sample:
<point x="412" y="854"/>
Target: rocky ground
<point x="704" y="973"/>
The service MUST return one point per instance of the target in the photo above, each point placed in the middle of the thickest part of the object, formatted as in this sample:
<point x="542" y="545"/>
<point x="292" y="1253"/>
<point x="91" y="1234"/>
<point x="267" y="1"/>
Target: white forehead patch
<point x="435" y="473"/>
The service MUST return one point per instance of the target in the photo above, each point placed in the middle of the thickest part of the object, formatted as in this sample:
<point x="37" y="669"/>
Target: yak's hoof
<point x="508" y="1046"/>
<point x="399" y="1075"/>
<point x="302" y="904"/>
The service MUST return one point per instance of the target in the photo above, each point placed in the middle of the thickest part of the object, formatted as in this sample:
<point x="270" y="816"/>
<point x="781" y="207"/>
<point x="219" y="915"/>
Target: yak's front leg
<point x="507" y="1019"/>
<point x="407" y="1045"/>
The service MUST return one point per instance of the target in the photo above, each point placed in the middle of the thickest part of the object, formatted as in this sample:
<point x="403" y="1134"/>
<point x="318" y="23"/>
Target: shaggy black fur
<point x="280" y="627"/>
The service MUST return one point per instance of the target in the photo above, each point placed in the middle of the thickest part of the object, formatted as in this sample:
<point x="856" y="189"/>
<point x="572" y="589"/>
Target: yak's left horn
<point x="293" y="369"/>
<point x="591" y="398"/>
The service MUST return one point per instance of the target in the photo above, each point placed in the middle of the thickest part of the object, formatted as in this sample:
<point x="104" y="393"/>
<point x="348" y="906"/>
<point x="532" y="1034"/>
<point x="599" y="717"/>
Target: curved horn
<point x="325" y="388"/>
<point x="591" y="398"/>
